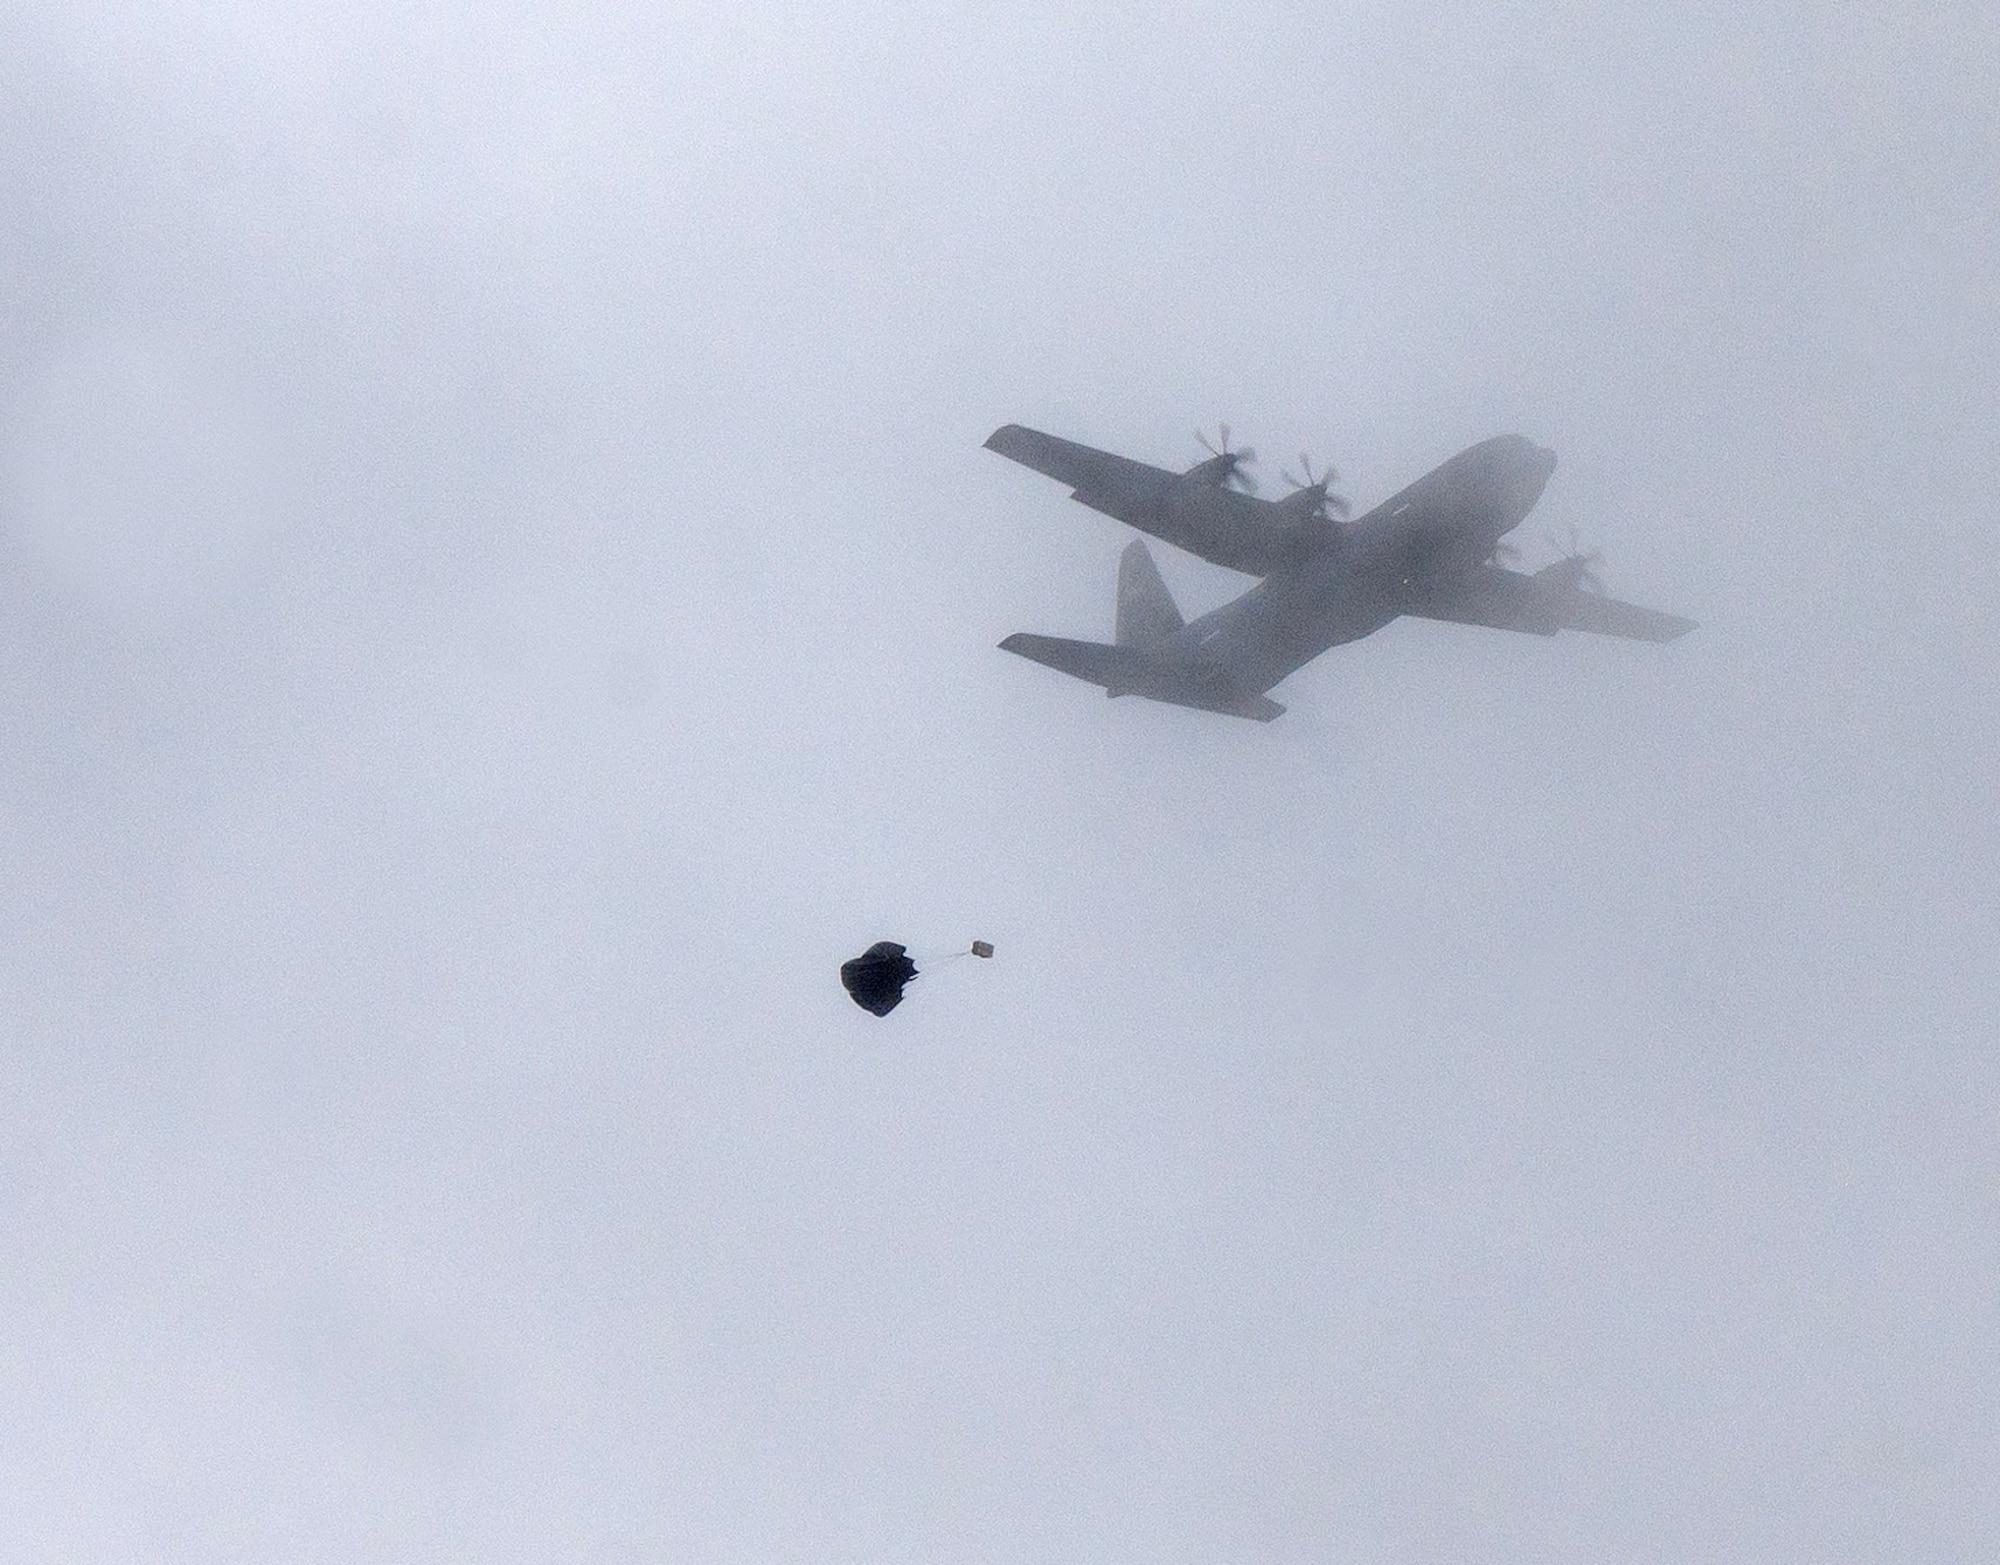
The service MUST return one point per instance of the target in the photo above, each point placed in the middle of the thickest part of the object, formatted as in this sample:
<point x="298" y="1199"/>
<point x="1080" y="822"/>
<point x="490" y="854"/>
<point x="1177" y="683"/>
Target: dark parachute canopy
<point x="876" y="977"/>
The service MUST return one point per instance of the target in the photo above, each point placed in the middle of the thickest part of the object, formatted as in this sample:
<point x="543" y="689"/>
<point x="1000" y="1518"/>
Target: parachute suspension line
<point x="937" y="957"/>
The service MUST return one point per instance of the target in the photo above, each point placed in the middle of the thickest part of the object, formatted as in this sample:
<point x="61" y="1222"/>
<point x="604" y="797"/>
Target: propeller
<point x="1574" y="564"/>
<point x="1232" y="462"/>
<point x="1322" y="483"/>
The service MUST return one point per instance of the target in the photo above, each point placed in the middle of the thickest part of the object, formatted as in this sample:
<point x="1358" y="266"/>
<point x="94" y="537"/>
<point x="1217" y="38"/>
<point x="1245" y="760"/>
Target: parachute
<point x="874" y="980"/>
<point x="876" y="977"/>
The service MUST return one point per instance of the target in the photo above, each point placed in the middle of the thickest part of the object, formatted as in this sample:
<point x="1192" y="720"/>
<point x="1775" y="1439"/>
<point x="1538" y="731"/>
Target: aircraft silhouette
<point x="1432" y="550"/>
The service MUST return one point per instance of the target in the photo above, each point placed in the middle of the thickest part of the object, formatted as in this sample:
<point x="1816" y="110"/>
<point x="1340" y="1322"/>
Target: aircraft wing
<point x="1508" y="600"/>
<point x="1608" y="617"/>
<point x="1094" y="475"/>
<point x="1221" y="525"/>
<point x="1140" y="671"/>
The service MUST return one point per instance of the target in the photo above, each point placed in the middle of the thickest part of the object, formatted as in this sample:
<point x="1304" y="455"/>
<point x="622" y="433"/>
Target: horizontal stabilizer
<point x="1140" y="671"/>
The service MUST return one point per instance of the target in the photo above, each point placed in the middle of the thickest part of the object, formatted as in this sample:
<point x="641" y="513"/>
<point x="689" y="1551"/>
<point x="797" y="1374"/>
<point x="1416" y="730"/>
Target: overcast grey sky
<point x="498" y="593"/>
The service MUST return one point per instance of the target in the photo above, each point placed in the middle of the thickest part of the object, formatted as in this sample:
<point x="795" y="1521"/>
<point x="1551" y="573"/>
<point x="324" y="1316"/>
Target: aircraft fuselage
<point x="1363" y="575"/>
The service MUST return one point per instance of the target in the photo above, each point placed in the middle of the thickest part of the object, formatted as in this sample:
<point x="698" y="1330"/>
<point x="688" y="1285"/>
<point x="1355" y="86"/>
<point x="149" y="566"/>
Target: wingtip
<point x="1001" y="437"/>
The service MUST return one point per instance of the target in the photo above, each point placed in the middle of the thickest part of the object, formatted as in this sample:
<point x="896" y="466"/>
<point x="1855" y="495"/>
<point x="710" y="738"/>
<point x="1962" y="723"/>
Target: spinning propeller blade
<point x="1234" y="461"/>
<point x="1323" y="482"/>
<point x="1579" y="564"/>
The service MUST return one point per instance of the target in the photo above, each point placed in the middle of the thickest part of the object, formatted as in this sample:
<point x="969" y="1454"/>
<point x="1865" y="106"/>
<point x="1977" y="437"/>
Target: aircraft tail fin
<point x="1140" y="671"/>
<point x="1146" y="610"/>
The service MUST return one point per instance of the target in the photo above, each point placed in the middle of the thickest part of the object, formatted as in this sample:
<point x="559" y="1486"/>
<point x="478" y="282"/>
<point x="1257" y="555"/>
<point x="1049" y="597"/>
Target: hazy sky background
<point x="498" y="593"/>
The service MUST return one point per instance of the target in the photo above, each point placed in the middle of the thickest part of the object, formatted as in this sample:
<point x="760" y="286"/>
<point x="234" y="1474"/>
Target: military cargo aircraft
<point x="1433" y="550"/>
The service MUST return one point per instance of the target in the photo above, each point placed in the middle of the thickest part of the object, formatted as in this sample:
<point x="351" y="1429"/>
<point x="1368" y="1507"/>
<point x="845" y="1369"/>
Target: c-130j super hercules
<point x="1433" y="551"/>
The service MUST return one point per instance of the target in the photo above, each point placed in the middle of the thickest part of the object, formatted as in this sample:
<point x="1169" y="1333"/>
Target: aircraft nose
<point x="1524" y="456"/>
<point x="1534" y="465"/>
